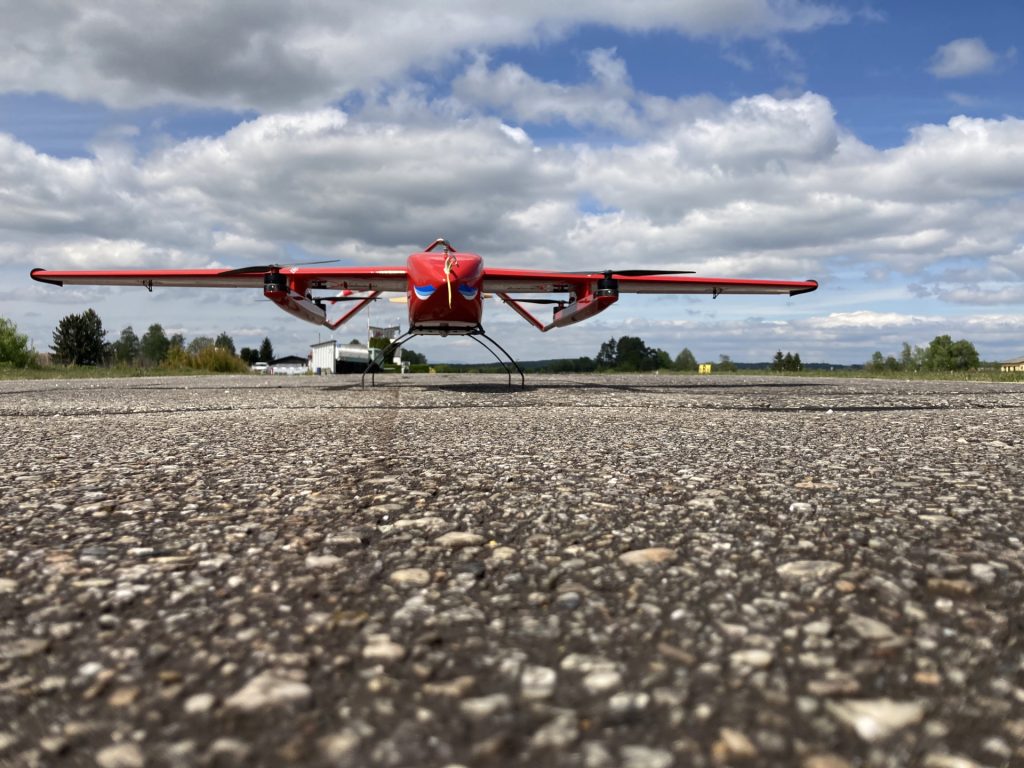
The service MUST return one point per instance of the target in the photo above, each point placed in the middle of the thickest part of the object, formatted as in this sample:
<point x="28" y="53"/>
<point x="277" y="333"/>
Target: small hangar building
<point x="332" y="357"/>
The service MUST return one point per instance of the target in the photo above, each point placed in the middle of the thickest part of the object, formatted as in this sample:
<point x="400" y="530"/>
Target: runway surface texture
<point x="636" y="571"/>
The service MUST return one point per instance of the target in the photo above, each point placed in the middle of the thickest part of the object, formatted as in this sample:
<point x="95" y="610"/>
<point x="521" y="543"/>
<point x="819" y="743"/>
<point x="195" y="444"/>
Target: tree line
<point x="628" y="354"/>
<point x="631" y="354"/>
<point x="80" y="339"/>
<point x="942" y="354"/>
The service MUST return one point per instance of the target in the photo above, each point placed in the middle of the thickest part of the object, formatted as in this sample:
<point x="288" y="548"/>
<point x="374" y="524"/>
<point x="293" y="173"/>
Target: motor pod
<point x="607" y="286"/>
<point x="275" y="282"/>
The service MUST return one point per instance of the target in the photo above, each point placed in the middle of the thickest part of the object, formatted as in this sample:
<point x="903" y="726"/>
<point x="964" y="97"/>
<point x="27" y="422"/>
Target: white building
<point x="332" y="357"/>
<point x="289" y="365"/>
<point x="1017" y="364"/>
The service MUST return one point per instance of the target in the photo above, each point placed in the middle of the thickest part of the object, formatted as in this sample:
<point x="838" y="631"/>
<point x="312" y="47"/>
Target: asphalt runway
<point x="621" y="571"/>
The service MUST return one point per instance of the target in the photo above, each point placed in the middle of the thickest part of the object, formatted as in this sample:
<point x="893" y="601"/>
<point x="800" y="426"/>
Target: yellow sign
<point x="704" y="368"/>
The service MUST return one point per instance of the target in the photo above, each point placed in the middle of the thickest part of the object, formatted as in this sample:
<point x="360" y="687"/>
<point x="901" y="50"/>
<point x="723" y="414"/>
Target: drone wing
<point x="332" y="278"/>
<point x="537" y="281"/>
<point x="593" y="292"/>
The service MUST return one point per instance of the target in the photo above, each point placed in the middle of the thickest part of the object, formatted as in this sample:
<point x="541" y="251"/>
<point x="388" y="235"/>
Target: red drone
<point x="444" y="288"/>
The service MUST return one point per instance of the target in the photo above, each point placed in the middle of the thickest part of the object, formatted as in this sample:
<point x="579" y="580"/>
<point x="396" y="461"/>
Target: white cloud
<point x="980" y="294"/>
<point x="963" y="57"/>
<point x="608" y="101"/>
<point x="289" y="54"/>
<point x="871" y="319"/>
<point x="762" y="184"/>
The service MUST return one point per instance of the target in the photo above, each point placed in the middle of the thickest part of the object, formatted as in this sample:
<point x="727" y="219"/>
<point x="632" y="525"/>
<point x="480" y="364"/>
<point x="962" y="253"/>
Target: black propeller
<point x="635" y="272"/>
<point x="262" y="268"/>
<point x="333" y="299"/>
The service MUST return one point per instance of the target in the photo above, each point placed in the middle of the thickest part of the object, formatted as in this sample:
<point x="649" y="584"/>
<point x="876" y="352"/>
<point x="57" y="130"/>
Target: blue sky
<point x="876" y="147"/>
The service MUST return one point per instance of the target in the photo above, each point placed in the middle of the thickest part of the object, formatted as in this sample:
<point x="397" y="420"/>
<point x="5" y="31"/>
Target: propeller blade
<point x="651" y="272"/>
<point x="635" y="272"/>
<point x="261" y="268"/>
<point x="334" y="299"/>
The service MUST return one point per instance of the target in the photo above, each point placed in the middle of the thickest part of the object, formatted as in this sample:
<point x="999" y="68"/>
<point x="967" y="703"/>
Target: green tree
<point x="266" y="350"/>
<point x="778" y="362"/>
<point x="892" y="364"/>
<point x="14" y="349"/>
<point x="78" y="339"/>
<point x="608" y="356"/>
<point x="908" y="360"/>
<point x="726" y="364"/>
<point x="876" y="363"/>
<point x="964" y="356"/>
<point x="413" y="358"/>
<point x="249" y="355"/>
<point x="685" y="361"/>
<point x="199" y="343"/>
<point x="176" y="342"/>
<point x="944" y="354"/>
<point x="632" y="354"/>
<point x="797" y="365"/>
<point x="127" y="348"/>
<point x="787" y="362"/>
<point x="224" y="341"/>
<point x="154" y="345"/>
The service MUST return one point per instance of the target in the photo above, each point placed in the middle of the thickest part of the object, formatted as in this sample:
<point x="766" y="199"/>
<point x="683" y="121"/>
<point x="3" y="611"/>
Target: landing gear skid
<point x="390" y="349"/>
<point x="477" y="334"/>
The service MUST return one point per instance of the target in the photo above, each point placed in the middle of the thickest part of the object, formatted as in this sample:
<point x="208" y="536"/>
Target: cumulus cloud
<point x="759" y="185"/>
<point x="964" y="57"/>
<point x="290" y="54"/>
<point x="607" y="102"/>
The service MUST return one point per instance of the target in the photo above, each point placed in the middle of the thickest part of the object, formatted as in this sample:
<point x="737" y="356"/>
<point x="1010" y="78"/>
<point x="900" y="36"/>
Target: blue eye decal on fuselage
<point x="423" y="292"/>
<point x="468" y="292"/>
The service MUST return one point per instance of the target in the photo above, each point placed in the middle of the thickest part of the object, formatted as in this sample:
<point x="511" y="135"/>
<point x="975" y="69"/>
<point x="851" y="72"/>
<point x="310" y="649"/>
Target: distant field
<point x="85" y="372"/>
<point x="89" y="372"/>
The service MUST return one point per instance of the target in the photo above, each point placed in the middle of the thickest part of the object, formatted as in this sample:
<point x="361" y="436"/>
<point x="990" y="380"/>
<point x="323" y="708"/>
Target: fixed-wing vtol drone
<point x="444" y="288"/>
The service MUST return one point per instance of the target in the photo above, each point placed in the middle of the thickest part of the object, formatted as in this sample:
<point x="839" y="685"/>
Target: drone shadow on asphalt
<point x="488" y="388"/>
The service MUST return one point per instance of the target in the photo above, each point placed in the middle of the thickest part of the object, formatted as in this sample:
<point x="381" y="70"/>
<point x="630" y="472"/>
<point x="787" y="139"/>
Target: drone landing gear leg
<point x="388" y="350"/>
<point x="522" y="377"/>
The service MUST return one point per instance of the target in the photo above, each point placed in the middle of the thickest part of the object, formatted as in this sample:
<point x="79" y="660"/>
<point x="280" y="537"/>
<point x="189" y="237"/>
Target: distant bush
<point x="215" y="359"/>
<point x="14" y="348"/>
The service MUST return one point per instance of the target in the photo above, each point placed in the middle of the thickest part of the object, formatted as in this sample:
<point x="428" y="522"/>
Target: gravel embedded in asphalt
<point x="596" y="571"/>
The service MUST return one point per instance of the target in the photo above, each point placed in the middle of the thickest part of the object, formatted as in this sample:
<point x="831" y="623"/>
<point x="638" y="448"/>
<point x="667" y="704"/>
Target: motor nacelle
<point x="274" y="283"/>
<point x="607" y="286"/>
<point x="598" y="298"/>
<point x="277" y="289"/>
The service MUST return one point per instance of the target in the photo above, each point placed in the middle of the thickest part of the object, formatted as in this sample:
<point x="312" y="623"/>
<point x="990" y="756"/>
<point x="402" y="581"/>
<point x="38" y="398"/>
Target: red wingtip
<point x="44" y="279"/>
